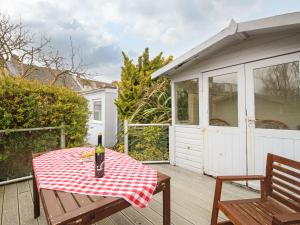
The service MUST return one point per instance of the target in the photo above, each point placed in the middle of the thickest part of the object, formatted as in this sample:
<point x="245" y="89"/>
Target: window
<point x="97" y="110"/>
<point x="277" y="96"/>
<point x="187" y="102"/>
<point x="223" y="100"/>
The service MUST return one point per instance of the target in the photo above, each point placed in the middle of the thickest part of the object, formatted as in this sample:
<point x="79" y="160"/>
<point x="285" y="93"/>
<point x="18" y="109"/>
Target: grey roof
<point x="234" y="32"/>
<point x="71" y="81"/>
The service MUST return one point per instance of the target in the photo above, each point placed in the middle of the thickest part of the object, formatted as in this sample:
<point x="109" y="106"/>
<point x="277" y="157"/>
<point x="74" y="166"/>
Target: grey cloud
<point x="73" y="25"/>
<point x="171" y="26"/>
<point x="106" y="54"/>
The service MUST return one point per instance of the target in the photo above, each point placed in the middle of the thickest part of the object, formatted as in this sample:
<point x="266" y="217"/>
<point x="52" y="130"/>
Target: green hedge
<point x="26" y="104"/>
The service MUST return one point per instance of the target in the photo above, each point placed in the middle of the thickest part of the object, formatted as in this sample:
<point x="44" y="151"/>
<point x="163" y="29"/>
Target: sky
<point x="102" y="29"/>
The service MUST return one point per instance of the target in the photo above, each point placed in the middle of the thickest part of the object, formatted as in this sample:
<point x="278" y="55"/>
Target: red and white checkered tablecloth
<point x="125" y="177"/>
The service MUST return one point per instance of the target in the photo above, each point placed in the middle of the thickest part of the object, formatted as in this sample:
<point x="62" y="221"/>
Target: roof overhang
<point x="234" y="32"/>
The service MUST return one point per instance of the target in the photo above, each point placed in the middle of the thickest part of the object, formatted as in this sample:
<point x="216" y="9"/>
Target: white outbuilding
<point x="103" y="119"/>
<point x="236" y="97"/>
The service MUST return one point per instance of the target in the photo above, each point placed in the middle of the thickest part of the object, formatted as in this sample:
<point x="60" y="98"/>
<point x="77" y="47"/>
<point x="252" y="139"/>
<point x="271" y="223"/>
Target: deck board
<point x="25" y="205"/>
<point x="10" y="214"/>
<point x="1" y="202"/>
<point x="191" y="202"/>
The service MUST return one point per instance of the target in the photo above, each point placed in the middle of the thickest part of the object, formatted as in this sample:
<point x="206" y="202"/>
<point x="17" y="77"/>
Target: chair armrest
<point x="218" y="190"/>
<point x="241" y="178"/>
<point x="286" y="218"/>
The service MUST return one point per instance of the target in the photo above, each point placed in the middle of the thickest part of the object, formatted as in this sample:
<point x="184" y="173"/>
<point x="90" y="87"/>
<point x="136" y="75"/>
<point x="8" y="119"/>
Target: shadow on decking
<point x="191" y="202"/>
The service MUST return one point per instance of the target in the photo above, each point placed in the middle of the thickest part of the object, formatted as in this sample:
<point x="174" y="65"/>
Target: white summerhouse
<point x="236" y="97"/>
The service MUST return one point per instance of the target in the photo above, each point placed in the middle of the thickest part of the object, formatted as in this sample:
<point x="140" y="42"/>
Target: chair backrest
<point x="283" y="181"/>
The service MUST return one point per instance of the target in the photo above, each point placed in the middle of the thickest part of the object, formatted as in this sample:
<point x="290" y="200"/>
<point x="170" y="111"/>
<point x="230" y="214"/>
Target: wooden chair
<point x="280" y="196"/>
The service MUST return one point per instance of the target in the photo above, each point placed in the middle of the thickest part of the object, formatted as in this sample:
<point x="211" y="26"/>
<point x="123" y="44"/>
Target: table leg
<point x="166" y="204"/>
<point x="36" y="199"/>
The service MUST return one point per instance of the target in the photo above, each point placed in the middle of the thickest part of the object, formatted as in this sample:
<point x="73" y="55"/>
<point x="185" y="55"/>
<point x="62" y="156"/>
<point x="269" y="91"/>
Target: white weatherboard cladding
<point x="188" y="148"/>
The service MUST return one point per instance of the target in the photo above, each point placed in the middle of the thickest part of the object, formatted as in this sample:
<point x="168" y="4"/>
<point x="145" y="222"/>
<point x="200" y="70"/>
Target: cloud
<point x="103" y="28"/>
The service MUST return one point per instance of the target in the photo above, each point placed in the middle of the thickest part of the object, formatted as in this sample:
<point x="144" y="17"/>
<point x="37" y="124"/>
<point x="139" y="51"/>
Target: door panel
<point x="224" y="155"/>
<point x="224" y="121"/>
<point x="273" y="106"/>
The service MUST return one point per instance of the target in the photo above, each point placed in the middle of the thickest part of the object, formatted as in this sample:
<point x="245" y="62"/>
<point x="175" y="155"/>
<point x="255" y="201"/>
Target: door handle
<point x="251" y="122"/>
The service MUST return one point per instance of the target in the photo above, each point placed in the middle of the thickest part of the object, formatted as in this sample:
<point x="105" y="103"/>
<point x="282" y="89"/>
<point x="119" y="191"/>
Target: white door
<point x="224" y="121"/>
<point x="273" y="108"/>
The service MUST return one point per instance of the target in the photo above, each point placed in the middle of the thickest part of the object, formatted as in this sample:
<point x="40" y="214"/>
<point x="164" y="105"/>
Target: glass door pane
<point x="277" y="96"/>
<point x="223" y="100"/>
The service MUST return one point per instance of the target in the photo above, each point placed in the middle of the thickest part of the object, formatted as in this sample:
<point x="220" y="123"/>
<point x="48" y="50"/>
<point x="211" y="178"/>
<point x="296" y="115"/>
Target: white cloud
<point x="103" y="28"/>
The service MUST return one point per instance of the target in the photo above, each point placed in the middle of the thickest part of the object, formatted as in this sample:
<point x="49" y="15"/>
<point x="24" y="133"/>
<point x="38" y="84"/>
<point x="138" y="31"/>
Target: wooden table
<point x="63" y="208"/>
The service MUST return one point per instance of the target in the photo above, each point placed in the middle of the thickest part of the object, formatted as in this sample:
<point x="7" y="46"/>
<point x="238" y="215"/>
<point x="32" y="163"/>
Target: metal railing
<point x="62" y="143"/>
<point x="62" y="132"/>
<point x="127" y="125"/>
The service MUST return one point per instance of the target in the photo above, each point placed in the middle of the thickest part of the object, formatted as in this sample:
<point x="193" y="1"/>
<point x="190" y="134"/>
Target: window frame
<point x="237" y="80"/>
<point x="101" y="110"/>
<point x="174" y="103"/>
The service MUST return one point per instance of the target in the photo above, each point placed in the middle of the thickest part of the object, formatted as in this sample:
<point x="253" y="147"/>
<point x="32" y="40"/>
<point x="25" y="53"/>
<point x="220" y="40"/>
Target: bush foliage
<point x="26" y="104"/>
<point x="145" y="100"/>
<point x="136" y="86"/>
<point x="149" y="143"/>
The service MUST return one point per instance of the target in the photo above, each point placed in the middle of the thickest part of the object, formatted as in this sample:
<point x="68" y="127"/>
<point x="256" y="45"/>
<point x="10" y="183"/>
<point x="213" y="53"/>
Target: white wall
<point x="110" y="118"/>
<point x="189" y="142"/>
<point x="95" y="127"/>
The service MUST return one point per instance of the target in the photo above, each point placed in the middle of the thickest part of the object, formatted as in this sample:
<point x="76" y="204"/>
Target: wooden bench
<point x="279" y="202"/>
<point x="64" y="208"/>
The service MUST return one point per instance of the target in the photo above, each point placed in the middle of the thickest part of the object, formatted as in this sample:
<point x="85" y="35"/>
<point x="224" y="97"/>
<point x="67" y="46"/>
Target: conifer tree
<point x="135" y="80"/>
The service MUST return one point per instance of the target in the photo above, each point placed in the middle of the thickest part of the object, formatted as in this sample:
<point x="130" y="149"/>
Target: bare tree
<point x="61" y="67"/>
<point x="17" y="45"/>
<point x="280" y="80"/>
<point x="20" y="47"/>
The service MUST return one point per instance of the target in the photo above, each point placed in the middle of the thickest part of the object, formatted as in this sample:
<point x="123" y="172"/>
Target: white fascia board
<point x="268" y="23"/>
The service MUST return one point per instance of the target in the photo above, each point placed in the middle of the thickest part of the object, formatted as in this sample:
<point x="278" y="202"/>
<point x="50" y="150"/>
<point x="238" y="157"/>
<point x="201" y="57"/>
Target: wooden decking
<point x="191" y="202"/>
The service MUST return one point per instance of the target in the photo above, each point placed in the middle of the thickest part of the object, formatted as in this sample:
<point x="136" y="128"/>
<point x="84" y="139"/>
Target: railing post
<point x="62" y="137"/>
<point x="126" y="137"/>
<point x="171" y="146"/>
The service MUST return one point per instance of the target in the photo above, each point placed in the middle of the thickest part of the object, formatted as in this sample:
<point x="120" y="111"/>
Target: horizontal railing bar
<point x="15" y="180"/>
<point x="147" y="125"/>
<point x="156" y="162"/>
<point x="30" y="129"/>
